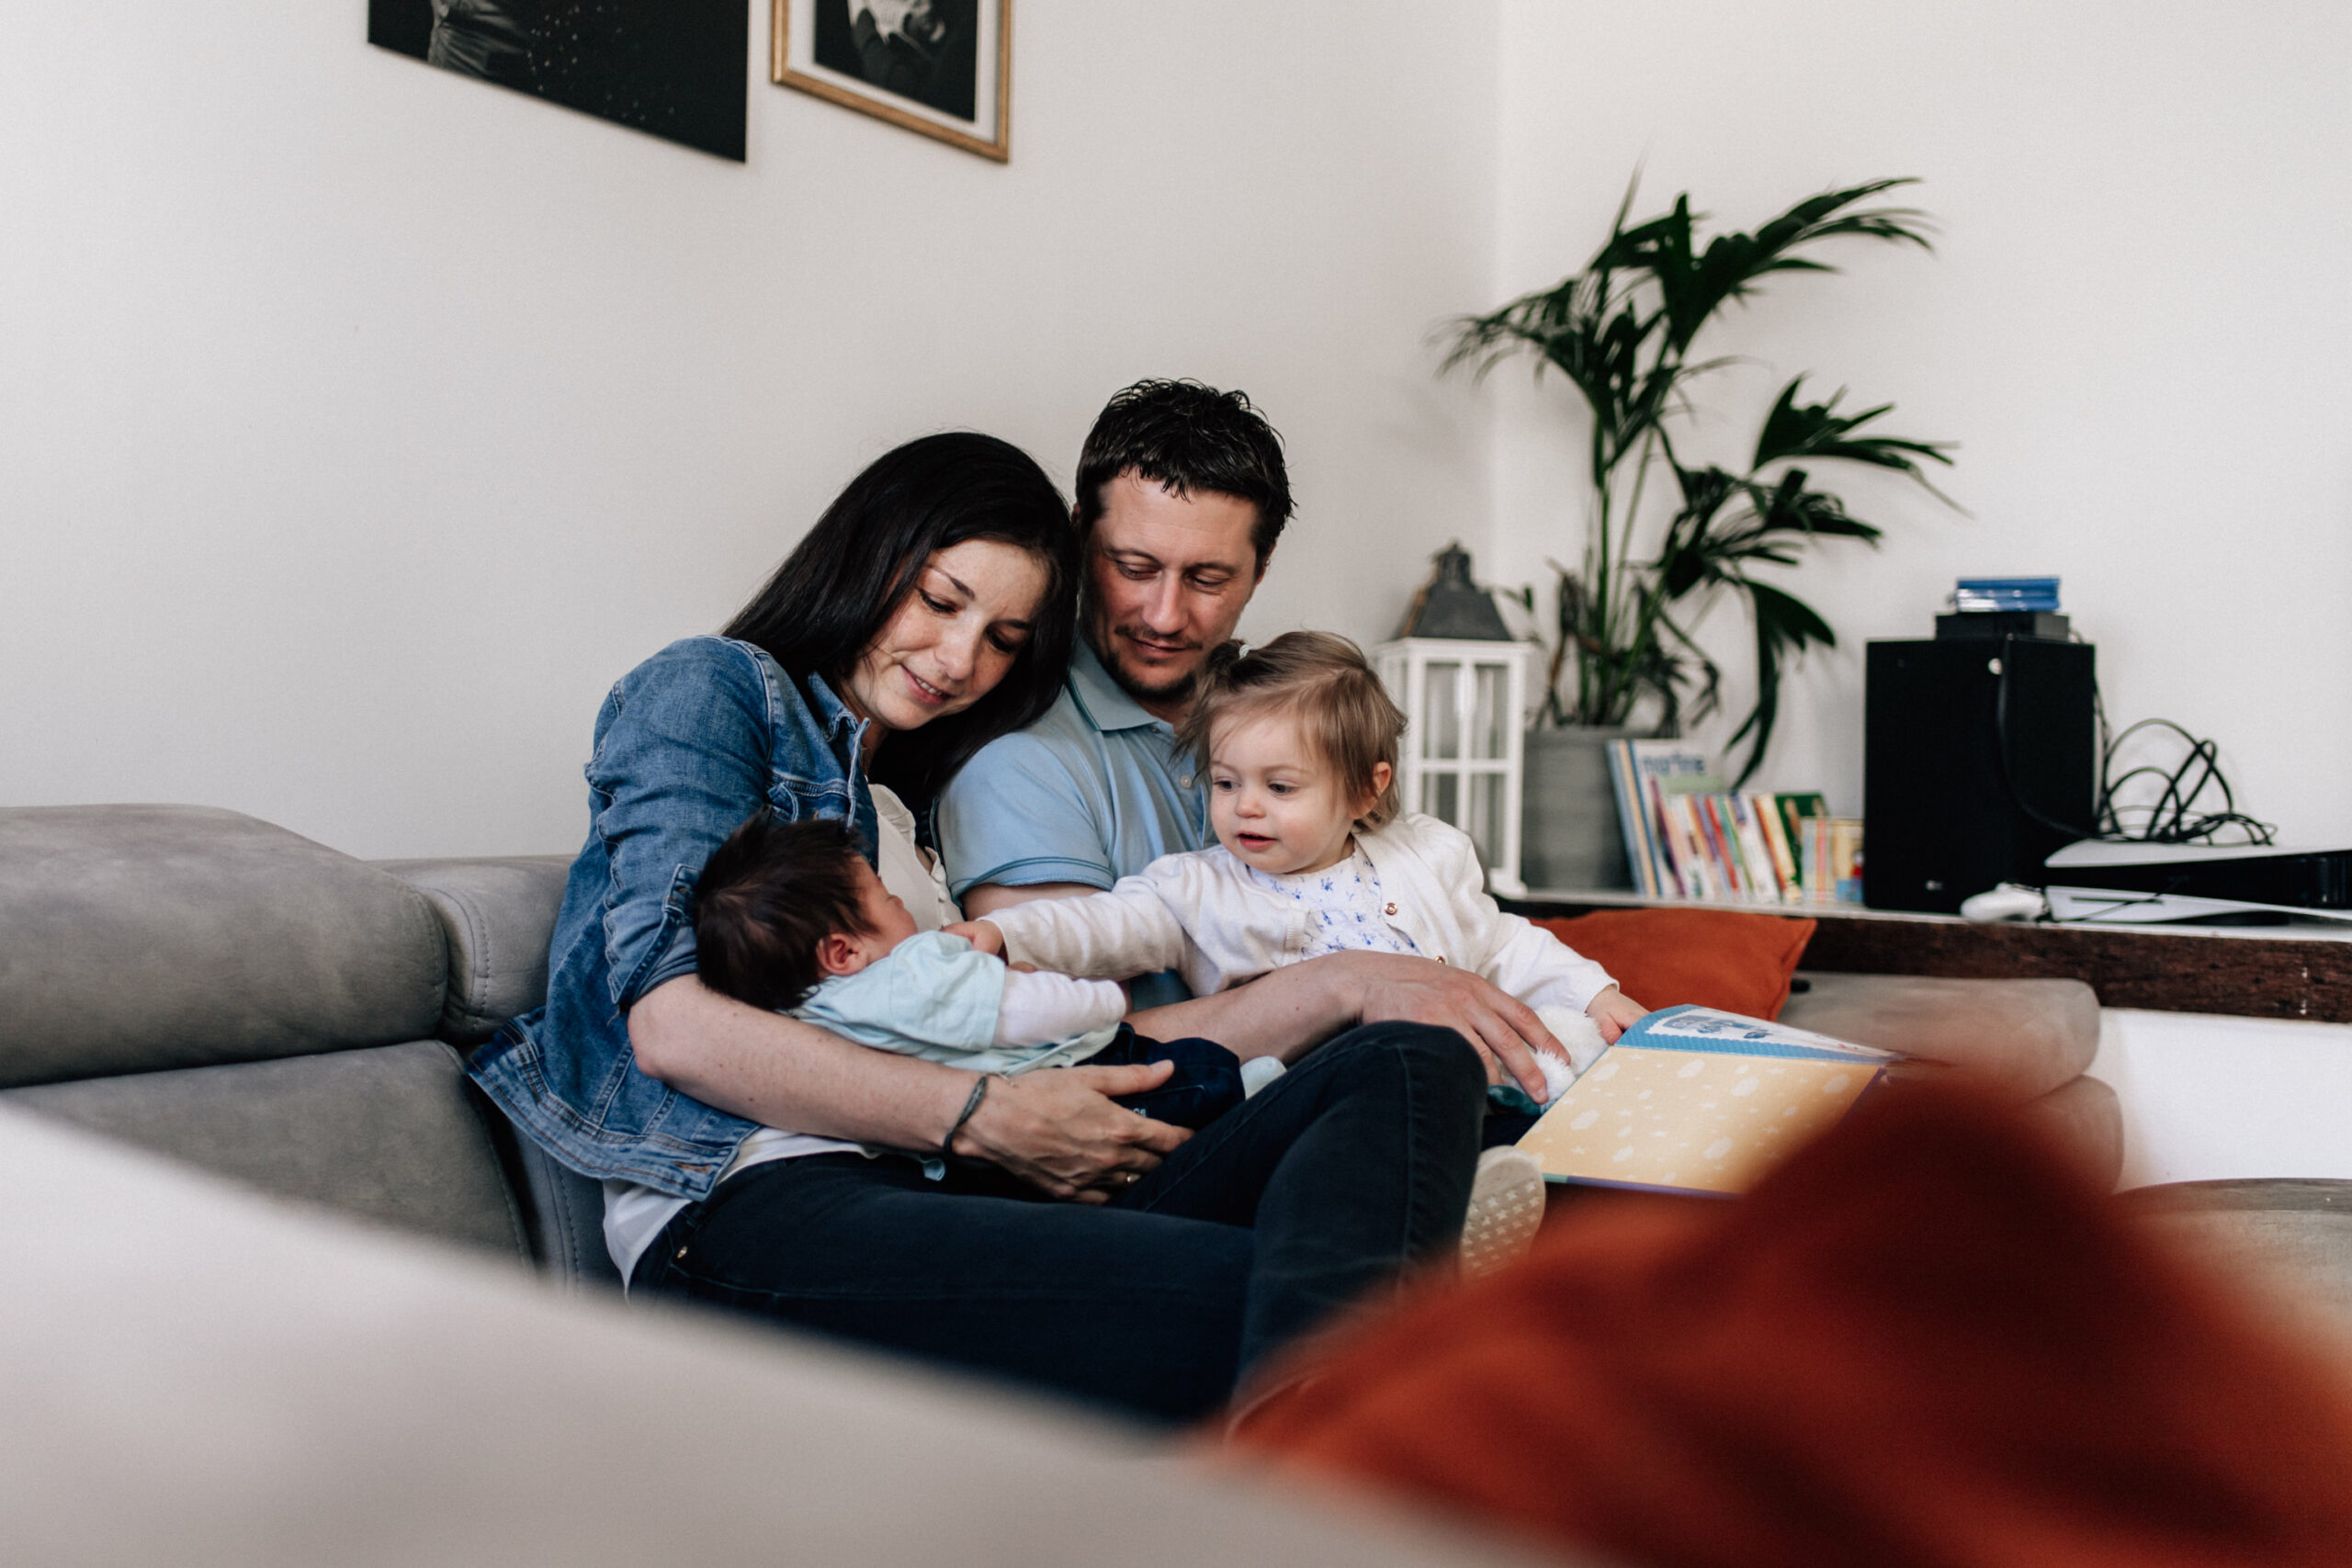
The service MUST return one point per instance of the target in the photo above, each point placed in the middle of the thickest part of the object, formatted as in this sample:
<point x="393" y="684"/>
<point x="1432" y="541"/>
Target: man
<point x="1183" y="496"/>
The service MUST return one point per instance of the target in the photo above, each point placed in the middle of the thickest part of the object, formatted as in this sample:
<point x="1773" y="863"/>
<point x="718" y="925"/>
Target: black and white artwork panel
<point x="940" y="67"/>
<point x="674" y="68"/>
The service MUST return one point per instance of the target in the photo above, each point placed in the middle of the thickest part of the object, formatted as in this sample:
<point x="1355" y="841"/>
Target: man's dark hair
<point x="1187" y="437"/>
<point x="833" y="594"/>
<point x="767" y="896"/>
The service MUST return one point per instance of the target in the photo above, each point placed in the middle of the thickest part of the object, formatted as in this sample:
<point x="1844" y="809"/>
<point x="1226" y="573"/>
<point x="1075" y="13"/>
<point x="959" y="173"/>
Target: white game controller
<point x="2006" y="902"/>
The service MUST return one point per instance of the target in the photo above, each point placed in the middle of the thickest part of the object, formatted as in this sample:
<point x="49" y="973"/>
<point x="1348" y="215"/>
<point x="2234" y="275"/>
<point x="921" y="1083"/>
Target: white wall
<point x="2135" y="325"/>
<point x="360" y="423"/>
<point x="2209" y="1098"/>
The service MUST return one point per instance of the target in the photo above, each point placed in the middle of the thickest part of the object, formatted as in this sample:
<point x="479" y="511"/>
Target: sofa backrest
<point x="231" y="994"/>
<point x="137" y="938"/>
<point x="497" y="918"/>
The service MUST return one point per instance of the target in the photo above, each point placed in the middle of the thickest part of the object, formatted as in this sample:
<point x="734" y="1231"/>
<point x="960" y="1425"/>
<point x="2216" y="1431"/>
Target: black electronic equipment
<point x="2142" y="884"/>
<point x="1979" y="759"/>
<point x="1998" y="624"/>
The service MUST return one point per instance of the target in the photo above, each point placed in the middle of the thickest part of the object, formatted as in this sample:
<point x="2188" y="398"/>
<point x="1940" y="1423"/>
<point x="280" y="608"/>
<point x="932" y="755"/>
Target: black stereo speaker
<point x="1979" y="759"/>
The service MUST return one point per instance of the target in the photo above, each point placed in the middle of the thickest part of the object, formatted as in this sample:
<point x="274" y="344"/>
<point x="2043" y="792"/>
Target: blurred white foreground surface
<point x="192" y="1374"/>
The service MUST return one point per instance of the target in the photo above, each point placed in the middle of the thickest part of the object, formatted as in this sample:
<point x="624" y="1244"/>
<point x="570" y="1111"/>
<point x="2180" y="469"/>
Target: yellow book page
<point x="1695" y="1121"/>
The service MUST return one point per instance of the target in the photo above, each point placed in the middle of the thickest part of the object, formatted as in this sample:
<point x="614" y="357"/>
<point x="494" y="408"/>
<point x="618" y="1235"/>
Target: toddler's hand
<point x="980" y="934"/>
<point x="1613" y="1012"/>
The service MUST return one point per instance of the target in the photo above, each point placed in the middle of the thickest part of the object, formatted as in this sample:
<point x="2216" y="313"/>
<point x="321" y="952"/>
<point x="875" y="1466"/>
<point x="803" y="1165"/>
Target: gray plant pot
<point x="1569" y="838"/>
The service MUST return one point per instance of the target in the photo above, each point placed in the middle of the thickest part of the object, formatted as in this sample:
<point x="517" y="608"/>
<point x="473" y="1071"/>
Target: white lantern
<point x="1464" y="740"/>
<point x="1465" y="709"/>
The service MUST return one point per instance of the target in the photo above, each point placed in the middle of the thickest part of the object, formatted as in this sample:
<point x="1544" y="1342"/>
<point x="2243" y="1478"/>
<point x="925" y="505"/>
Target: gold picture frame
<point x="942" y="68"/>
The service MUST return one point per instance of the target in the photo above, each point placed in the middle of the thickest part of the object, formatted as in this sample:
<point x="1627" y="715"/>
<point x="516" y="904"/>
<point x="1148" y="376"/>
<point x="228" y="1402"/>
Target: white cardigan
<point x="1204" y="915"/>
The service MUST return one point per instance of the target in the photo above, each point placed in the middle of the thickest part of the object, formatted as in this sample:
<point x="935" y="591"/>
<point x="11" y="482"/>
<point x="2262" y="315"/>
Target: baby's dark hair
<point x="767" y="896"/>
<point x="1323" y="680"/>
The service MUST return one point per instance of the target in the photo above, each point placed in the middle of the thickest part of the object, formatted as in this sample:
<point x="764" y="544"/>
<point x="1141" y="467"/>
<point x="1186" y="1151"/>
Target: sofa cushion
<point x="498" y="917"/>
<point x="2022" y="1038"/>
<point x="141" y="936"/>
<point x="567" y="1215"/>
<point x="1718" y="958"/>
<point x="2086" y="1117"/>
<point x="388" y="1133"/>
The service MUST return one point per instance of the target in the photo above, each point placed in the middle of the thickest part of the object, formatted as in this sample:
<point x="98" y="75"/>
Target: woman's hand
<point x="1614" y="1013"/>
<point x="1057" y="1129"/>
<point x="982" y="935"/>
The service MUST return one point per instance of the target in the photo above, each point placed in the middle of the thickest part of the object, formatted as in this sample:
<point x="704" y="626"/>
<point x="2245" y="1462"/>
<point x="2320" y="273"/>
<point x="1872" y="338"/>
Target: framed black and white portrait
<point x="672" y="67"/>
<point x="941" y="67"/>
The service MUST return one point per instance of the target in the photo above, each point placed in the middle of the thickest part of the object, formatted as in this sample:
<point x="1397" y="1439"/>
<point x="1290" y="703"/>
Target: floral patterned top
<point x="1346" y="911"/>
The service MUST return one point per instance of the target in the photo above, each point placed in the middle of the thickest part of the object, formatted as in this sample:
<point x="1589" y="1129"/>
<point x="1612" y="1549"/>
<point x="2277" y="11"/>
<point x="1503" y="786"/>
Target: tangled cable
<point x="2173" y="817"/>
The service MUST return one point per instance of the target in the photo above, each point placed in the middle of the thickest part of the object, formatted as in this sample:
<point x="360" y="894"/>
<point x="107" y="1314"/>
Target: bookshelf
<point x="2301" y="970"/>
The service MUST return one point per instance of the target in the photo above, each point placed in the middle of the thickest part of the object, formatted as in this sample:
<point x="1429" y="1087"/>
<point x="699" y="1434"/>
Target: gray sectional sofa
<point x="216" y="1372"/>
<point x="226" y="992"/>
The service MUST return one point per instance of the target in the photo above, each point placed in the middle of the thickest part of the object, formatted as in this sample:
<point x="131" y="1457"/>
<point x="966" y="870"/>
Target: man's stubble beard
<point x="1097" y="632"/>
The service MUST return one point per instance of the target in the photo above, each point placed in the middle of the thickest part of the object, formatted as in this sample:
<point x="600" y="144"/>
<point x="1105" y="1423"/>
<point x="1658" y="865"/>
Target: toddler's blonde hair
<point x="1323" y="681"/>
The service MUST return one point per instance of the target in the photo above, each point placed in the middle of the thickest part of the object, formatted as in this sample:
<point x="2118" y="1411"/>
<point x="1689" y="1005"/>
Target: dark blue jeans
<point x="1350" y="1166"/>
<point x="1205" y="1084"/>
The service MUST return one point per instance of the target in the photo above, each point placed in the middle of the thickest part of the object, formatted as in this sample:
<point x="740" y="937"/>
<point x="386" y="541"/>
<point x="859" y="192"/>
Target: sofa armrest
<point x="498" y="915"/>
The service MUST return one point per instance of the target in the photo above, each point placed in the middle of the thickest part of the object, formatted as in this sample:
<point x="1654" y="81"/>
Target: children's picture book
<point x="1794" y="809"/>
<point x="1644" y="772"/>
<point x="1695" y="1099"/>
<point x="1687" y="837"/>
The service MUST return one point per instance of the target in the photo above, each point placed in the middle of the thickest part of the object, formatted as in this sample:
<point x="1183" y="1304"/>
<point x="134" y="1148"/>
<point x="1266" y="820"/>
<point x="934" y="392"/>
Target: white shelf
<point x="1620" y="898"/>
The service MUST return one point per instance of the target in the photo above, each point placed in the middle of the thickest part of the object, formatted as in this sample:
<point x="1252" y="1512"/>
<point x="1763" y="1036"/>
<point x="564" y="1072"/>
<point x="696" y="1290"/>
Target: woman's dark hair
<point x="1187" y="437"/>
<point x="832" y="595"/>
<point x="766" y="897"/>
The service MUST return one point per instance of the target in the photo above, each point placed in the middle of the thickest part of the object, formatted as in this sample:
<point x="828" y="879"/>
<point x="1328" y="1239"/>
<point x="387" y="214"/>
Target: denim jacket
<point x="688" y="744"/>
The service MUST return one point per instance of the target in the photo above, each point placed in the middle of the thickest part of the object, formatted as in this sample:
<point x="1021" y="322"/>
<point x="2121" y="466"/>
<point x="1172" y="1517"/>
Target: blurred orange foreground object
<point x="1925" y="1340"/>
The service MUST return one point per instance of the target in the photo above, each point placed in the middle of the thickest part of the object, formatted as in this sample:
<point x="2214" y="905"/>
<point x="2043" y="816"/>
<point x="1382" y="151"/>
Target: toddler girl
<point x="1313" y="856"/>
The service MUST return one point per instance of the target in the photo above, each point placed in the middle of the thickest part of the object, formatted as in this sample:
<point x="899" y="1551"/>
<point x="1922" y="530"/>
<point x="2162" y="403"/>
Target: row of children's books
<point x="1688" y="837"/>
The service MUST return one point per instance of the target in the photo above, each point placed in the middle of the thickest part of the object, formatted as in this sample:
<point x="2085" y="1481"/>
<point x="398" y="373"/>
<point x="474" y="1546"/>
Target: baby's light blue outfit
<point x="937" y="997"/>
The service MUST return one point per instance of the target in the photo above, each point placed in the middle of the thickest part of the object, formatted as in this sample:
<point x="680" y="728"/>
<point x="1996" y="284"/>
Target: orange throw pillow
<point x="1927" y="1338"/>
<point x="1717" y="958"/>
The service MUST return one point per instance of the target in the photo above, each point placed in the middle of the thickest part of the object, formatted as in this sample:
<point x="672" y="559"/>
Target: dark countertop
<point x="2301" y="970"/>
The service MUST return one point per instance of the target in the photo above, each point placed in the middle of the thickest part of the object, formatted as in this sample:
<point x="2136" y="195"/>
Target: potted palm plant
<point x="1657" y="559"/>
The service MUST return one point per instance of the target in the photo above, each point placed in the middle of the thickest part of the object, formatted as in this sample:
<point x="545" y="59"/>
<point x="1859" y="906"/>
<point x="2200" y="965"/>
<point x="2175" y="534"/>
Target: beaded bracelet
<point x="979" y="1092"/>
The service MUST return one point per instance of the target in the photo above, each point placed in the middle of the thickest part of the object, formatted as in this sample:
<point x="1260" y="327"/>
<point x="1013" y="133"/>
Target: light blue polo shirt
<point x="1090" y="793"/>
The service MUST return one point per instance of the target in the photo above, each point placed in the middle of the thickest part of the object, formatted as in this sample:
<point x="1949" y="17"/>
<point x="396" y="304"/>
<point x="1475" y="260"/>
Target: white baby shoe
<point x="1506" y="1207"/>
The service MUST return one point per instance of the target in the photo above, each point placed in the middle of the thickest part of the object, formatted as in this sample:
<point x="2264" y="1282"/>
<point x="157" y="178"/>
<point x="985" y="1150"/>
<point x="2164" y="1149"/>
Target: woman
<point x="746" y="1156"/>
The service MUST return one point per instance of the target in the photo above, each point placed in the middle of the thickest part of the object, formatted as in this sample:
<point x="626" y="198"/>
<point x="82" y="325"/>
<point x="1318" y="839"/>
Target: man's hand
<point x="1055" y="1129"/>
<point x="1614" y="1013"/>
<point x="1504" y="1030"/>
<point x="981" y="934"/>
